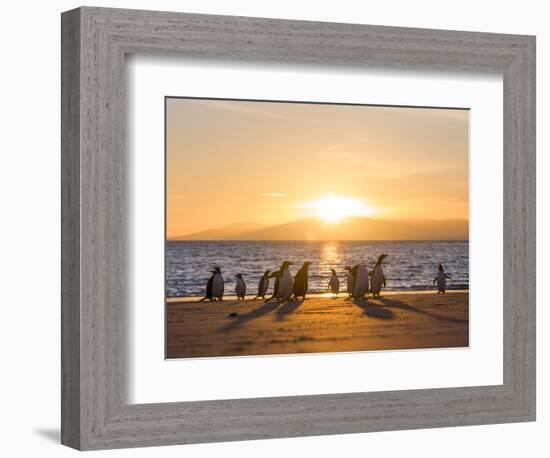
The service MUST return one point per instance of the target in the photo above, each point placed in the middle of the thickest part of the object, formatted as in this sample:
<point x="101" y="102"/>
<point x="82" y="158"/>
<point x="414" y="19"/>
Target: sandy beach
<point x="319" y="324"/>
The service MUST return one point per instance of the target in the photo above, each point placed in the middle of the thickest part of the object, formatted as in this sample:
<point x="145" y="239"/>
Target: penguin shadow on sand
<point x="240" y="320"/>
<point x="373" y="310"/>
<point x="287" y="308"/>
<point x="409" y="308"/>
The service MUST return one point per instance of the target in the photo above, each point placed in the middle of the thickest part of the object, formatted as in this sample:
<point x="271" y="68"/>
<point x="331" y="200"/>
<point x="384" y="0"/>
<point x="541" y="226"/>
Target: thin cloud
<point x="273" y="194"/>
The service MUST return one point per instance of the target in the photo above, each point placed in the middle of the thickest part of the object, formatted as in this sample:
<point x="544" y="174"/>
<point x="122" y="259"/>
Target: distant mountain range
<point x="352" y="228"/>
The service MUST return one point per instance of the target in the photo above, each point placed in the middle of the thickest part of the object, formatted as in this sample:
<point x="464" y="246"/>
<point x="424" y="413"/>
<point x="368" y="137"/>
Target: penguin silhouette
<point x="208" y="293"/>
<point x="301" y="281"/>
<point x="361" y="281"/>
<point x="276" y="275"/>
<point x="349" y="281"/>
<point x="282" y="290"/>
<point x="286" y="282"/>
<point x="378" y="279"/>
<point x="334" y="283"/>
<point x="353" y="273"/>
<point x="263" y="285"/>
<point x="240" y="287"/>
<point x="441" y="280"/>
<point x="217" y="284"/>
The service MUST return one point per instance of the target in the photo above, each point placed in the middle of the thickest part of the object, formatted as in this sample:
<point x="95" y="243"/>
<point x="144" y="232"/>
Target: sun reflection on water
<point x="331" y="256"/>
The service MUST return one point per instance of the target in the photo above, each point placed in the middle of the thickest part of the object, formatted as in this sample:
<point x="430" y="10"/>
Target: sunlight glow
<point x="333" y="209"/>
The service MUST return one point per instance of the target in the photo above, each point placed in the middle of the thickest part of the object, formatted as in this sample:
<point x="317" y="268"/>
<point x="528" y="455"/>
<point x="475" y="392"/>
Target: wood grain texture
<point x="96" y="413"/>
<point x="70" y="229"/>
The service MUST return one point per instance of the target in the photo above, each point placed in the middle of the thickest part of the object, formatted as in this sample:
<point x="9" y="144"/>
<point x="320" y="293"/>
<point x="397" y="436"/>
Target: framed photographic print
<point x="346" y="202"/>
<point x="335" y="220"/>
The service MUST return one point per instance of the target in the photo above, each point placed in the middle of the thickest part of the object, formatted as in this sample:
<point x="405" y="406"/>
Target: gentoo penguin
<point x="301" y="281"/>
<point x="208" y="293"/>
<point x="217" y="284"/>
<point x="276" y="275"/>
<point x="240" y="287"/>
<point x="349" y="281"/>
<point x="361" y="281"/>
<point x="441" y="280"/>
<point x="284" y="292"/>
<point x="378" y="279"/>
<point x="263" y="285"/>
<point x="334" y="283"/>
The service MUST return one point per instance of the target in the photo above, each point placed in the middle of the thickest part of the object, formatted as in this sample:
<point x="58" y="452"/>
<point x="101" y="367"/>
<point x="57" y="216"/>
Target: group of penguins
<point x="360" y="282"/>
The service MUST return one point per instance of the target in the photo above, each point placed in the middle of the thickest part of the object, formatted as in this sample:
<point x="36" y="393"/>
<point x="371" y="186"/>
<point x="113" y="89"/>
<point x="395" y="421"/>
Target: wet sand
<point x="318" y="324"/>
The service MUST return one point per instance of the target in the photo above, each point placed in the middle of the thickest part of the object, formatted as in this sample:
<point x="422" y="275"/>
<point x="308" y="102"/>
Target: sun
<point x="333" y="209"/>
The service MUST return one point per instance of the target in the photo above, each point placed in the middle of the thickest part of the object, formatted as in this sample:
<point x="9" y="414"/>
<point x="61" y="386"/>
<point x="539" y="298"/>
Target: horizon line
<point x="217" y="228"/>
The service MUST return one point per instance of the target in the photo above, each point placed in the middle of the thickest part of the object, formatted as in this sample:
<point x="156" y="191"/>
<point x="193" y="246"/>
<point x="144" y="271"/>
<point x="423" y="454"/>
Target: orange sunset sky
<point x="270" y="163"/>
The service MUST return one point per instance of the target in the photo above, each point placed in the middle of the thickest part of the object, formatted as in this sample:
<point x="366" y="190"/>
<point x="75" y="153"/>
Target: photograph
<point x="311" y="227"/>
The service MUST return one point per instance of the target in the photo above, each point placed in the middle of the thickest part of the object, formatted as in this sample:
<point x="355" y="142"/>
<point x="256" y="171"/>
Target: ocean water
<point x="410" y="265"/>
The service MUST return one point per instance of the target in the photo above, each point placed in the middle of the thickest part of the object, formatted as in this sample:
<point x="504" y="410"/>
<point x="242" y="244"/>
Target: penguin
<point x="208" y="293"/>
<point x="334" y="283"/>
<point x="361" y="281"/>
<point x="276" y="275"/>
<point x="377" y="277"/>
<point x="284" y="292"/>
<point x="263" y="285"/>
<point x="353" y="273"/>
<point x="349" y="281"/>
<point x="240" y="287"/>
<point x="217" y="284"/>
<point x="441" y="280"/>
<point x="301" y="281"/>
